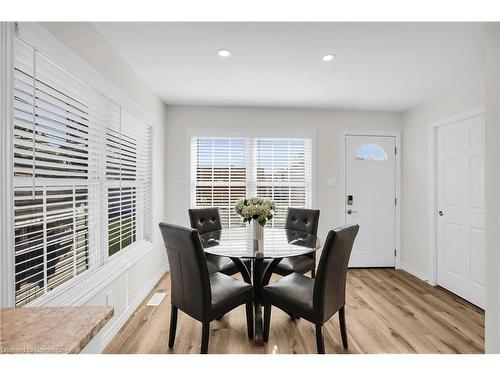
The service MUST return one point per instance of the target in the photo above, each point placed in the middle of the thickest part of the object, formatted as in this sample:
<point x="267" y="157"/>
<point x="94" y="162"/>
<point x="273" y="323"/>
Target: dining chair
<point x="193" y="290"/>
<point x="303" y="220"/>
<point x="208" y="220"/>
<point x="318" y="299"/>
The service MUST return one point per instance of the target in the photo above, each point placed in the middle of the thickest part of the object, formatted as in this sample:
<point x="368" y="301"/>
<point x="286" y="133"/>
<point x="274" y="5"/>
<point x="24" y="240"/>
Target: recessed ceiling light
<point x="224" y="53"/>
<point x="328" y="57"/>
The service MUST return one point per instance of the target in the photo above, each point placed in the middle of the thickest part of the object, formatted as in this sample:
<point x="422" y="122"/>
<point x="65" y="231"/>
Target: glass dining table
<point x="238" y="244"/>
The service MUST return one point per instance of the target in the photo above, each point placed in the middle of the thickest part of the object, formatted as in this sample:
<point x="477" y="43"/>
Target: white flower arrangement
<point x="258" y="209"/>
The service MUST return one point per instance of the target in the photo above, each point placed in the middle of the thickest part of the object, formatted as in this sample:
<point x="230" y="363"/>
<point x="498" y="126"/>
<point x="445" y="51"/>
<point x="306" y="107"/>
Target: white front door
<point x="461" y="204"/>
<point x="371" y="198"/>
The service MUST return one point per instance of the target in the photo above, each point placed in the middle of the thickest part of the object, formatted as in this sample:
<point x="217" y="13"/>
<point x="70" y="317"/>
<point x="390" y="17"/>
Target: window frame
<point x="85" y="285"/>
<point x="257" y="132"/>
<point x="368" y="157"/>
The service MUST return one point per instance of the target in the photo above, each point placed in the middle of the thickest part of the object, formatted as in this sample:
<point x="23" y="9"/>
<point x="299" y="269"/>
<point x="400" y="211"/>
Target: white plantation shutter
<point x="219" y="175"/>
<point x="52" y="238"/>
<point x="283" y="173"/>
<point x="224" y="170"/>
<point x="52" y="132"/>
<point x="79" y="162"/>
<point x="128" y="183"/>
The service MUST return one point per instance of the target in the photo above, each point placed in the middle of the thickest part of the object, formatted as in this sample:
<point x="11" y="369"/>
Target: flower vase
<point x="258" y="231"/>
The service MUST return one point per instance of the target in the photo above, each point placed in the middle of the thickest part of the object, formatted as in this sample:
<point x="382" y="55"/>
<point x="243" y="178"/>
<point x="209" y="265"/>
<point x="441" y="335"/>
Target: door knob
<point x="350" y="212"/>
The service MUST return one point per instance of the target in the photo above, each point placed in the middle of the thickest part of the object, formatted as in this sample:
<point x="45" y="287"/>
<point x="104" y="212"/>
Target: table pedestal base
<point x="257" y="266"/>
<point x="260" y="278"/>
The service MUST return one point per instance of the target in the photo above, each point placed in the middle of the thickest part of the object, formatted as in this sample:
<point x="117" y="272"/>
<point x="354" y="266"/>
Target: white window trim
<point x="247" y="132"/>
<point x="79" y="289"/>
<point x="83" y="287"/>
<point x="6" y="164"/>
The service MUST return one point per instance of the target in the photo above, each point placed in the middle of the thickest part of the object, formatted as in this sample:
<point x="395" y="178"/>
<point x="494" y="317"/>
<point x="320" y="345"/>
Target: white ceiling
<point x="379" y="66"/>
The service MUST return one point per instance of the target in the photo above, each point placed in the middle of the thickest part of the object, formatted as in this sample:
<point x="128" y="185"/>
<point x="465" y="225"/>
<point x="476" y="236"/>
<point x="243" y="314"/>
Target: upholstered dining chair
<point x="201" y="295"/>
<point x="316" y="300"/>
<point x="303" y="220"/>
<point x="208" y="220"/>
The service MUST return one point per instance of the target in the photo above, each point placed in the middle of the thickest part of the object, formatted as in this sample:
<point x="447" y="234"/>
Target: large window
<point x="82" y="176"/>
<point x="226" y="169"/>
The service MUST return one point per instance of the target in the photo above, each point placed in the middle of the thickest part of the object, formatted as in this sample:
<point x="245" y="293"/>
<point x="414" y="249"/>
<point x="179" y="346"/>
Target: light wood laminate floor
<point x="388" y="311"/>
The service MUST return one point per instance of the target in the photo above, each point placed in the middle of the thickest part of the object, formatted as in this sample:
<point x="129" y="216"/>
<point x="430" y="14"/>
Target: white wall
<point x="129" y="288"/>
<point x="327" y="123"/>
<point x="416" y="149"/>
<point x="492" y="117"/>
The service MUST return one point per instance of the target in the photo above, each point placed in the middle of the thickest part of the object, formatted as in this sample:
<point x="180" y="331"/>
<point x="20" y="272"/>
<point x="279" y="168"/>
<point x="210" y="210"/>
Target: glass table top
<point x="277" y="243"/>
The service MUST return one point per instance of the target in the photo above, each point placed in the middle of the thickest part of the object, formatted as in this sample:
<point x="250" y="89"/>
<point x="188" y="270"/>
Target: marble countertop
<point x="33" y="330"/>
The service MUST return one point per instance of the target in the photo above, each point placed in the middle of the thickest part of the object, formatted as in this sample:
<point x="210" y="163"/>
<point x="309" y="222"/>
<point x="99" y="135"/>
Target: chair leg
<point x="313" y="271"/>
<point x="267" y="321"/>
<point x="173" y="326"/>
<point x="249" y="307"/>
<point x="343" y="328"/>
<point x="293" y="317"/>
<point x="205" y="335"/>
<point x="320" y="342"/>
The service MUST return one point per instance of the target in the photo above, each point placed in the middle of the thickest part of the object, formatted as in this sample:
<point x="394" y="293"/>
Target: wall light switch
<point x="332" y="182"/>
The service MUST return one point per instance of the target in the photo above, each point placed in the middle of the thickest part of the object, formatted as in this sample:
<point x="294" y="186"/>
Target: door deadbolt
<point x="349" y="200"/>
<point x="350" y="212"/>
<point x="440" y="213"/>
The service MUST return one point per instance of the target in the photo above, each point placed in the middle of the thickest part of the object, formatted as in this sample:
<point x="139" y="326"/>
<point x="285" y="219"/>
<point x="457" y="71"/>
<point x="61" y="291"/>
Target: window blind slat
<point x="219" y="175"/>
<point x="46" y="225"/>
<point x="283" y="173"/>
<point x="224" y="170"/>
<point x="74" y="150"/>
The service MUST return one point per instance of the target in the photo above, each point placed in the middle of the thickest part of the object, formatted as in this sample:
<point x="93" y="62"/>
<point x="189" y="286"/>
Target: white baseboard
<point x="112" y="330"/>
<point x="413" y="271"/>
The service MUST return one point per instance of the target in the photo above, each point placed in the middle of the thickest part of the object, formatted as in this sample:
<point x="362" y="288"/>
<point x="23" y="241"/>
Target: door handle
<point x="350" y="212"/>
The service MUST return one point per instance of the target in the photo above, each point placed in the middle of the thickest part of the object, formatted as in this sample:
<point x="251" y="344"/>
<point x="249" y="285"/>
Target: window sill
<point x="81" y="289"/>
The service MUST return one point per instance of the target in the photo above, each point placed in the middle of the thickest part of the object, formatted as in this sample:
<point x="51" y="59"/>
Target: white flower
<point x="255" y="208"/>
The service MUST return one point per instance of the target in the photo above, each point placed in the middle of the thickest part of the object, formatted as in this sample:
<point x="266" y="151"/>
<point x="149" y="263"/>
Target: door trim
<point x="374" y="133"/>
<point x="432" y="199"/>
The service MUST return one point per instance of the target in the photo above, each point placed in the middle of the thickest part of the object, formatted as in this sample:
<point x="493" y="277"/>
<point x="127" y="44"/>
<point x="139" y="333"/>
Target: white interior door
<point x="461" y="204"/>
<point x="371" y="198"/>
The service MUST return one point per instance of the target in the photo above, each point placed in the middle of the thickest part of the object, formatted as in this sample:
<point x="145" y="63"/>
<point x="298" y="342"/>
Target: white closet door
<point x="461" y="205"/>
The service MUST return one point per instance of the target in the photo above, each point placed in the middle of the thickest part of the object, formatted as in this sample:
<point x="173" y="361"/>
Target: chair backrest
<point x="330" y="281"/>
<point x="205" y="219"/>
<point x="189" y="278"/>
<point x="302" y="219"/>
